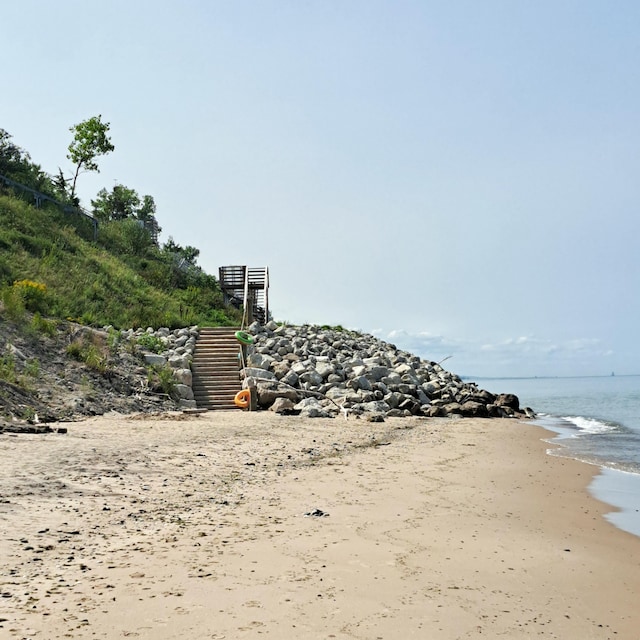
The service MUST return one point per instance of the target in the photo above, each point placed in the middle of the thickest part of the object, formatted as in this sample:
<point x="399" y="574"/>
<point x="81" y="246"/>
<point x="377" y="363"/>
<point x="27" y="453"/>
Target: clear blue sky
<point x="459" y="177"/>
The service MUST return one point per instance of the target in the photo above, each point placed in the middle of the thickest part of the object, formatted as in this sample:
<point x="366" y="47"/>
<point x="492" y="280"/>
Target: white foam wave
<point x="589" y="425"/>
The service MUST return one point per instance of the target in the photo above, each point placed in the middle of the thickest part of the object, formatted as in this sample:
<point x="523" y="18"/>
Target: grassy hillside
<point x="51" y="263"/>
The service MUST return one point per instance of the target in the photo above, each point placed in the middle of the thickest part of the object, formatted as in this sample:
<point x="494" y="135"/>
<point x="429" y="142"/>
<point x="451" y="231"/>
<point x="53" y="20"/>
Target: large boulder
<point x="179" y="361"/>
<point x="312" y="408"/>
<point x="290" y="378"/>
<point x="260" y="360"/>
<point x="325" y="369"/>
<point x="258" y="374"/>
<point x="154" y="359"/>
<point x="508" y="400"/>
<point x="375" y="406"/>
<point x="183" y="376"/>
<point x="377" y="373"/>
<point x="282" y="405"/>
<point x="312" y="378"/>
<point x="474" y="409"/>
<point x="183" y="391"/>
<point x="268" y="392"/>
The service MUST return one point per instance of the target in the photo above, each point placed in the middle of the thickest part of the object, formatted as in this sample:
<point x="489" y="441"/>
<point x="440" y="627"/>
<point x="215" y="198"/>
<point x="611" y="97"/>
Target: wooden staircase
<point x="215" y="368"/>
<point x="239" y="281"/>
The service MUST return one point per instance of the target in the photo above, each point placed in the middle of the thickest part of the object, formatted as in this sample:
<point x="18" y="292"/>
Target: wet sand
<point x="251" y="525"/>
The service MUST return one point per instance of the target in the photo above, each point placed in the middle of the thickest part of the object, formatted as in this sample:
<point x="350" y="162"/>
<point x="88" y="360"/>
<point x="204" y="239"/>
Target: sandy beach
<point x="251" y="525"/>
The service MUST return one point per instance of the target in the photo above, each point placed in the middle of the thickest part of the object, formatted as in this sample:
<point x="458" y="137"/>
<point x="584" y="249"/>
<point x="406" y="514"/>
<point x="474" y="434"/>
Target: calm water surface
<point x="597" y="420"/>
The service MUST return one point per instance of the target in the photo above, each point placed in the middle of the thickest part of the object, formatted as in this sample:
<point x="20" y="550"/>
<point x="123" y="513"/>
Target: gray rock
<point x="179" y="361"/>
<point x="258" y="374"/>
<point x="154" y="359"/>
<point x="361" y="382"/>
<point x="377" y="373"/>
<point x="508" y="400"/>
<point x="337" y="394"/>
<point x="282" y="405"/>
<point x="268" y="392"/>
<point x="311" y="377"/>
<point x="432" y="389"/>
<point x="404" y="368"/>
<point x="392" y="378"/>
<point x="325" y="369"/>
<point x="290" y="378"/>
<point x="260" y="360"/>
<point x="183" y="376"/>
<point x="376" y="406"/>
<point x="452" y="408"/>
<point x="181" y="341"/>
<point x="308" y="402"/>
<point x="393" y="399"/>
<point x="255" y="328"/>
<point x="298" y="367"/>
<point x="15" y="352"/>
<point x="410" y="405"/>
<point x="281" y="369"/>
<point x="183" y="391"/>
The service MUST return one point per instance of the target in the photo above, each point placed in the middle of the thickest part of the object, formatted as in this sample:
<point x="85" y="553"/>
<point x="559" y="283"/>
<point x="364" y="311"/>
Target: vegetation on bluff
<point x="54" y="263"/>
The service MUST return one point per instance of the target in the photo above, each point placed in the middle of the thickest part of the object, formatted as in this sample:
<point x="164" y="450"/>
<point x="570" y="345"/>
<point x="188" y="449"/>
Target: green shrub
<point x="42" y="325"/>
<point x="13" y="304"/>
<point x="76" y="350"/>
<point x="92" y="352"/>
<point x="33" y="294"/>
<point x="152" y="343"/>
<point x="95" y="359"/>
<point x="9" y="371"/>
<point x="8" y="368"/>
<point x="161" y="379"/>
<point x="226" y="318"/>
<point x="27" y="413"/>
<point x="337" y="327"/>
<point x="32" y="368"/>
<point x="113" y="340"/>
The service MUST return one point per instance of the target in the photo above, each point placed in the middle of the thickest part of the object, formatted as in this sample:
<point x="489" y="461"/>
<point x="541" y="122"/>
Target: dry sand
<point x="194" y="527"/>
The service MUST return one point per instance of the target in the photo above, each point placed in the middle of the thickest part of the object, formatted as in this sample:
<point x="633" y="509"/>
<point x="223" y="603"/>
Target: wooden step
<point x="216" y="368"/>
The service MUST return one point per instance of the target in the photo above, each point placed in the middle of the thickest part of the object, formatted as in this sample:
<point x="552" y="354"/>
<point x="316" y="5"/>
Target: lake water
<point x="597" y="420"/>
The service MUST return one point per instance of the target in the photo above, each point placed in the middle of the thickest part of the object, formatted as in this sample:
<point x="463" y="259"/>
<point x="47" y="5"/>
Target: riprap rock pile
<point x="320" y="371"/>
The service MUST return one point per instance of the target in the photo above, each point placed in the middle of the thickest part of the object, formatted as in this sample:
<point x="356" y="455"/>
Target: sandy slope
<point x="195" y="527"/>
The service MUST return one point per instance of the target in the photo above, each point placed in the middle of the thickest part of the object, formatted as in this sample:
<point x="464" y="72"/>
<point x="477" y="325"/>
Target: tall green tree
<point x="11" y="156"/>
<point x="188" y="253"/>
<point x="147" y="208"/>
<point x="122" y="203"/>
<point x="16" y="164"/>
<point x="90" y="140"/>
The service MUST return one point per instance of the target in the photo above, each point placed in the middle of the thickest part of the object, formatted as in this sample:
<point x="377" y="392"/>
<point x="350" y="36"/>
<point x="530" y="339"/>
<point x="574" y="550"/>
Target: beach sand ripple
<point x="251" y="525"/>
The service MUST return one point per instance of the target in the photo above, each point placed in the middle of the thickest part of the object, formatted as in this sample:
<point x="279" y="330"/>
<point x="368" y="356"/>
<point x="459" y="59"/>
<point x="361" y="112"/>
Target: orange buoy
<point x="243" y="398"/>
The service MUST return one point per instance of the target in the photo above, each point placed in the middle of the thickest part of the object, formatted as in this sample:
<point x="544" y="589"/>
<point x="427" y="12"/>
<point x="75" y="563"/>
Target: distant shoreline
<point x="621" y="375"/>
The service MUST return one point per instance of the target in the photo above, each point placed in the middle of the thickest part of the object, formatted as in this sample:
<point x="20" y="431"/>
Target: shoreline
<point x="617" y="488"/>
<point x="245" y="525"/>
<point x="620" y="489"/>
